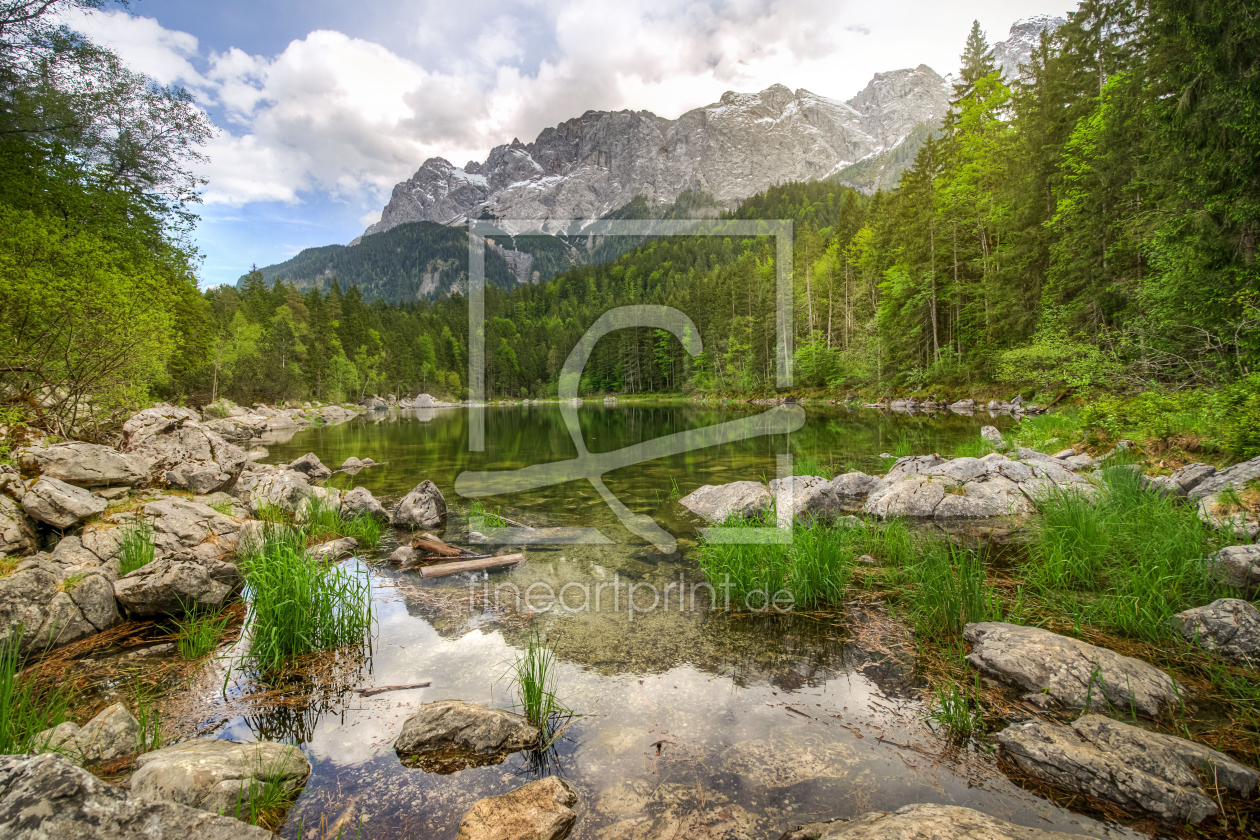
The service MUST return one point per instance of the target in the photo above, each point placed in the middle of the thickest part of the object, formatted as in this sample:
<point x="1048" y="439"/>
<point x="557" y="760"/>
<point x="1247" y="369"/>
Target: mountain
<point x="428" y="261"/>
<point x="1020" y="42"/>
<point x="589" y="166"/>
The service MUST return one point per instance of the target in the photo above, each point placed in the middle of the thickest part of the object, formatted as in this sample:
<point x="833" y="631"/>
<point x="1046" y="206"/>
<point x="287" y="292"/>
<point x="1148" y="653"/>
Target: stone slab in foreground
<point x="1127" y="765"/>
<point x="1071" y="671"/>
<point x="48" y="797"/>
<point x="540" y="810"/>
<point x="927" y="821"/>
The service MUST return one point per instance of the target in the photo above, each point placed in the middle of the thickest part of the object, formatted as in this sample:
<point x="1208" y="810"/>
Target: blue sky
<point x="323" y="106"/>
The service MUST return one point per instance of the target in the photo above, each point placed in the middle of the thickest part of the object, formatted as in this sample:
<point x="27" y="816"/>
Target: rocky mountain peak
<point x="1021" y="41"/>
<point x="588" y="166"/>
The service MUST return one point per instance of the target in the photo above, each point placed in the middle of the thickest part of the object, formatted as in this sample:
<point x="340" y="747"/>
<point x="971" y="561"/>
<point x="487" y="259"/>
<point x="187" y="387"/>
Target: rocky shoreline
<point x="187" y="477"/>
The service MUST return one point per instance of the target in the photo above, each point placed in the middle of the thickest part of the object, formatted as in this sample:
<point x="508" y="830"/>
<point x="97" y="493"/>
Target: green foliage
<point x="298" y="605"/>
<point x="24" y="711"/>
<point x="949" y="589"/>
<point x="533" y="676"/>
<point x="268" y="794"/>
<point x="812" y="570"/>
<point x="149" y="737"/>
<point x="1126" y="562"/>
<point x="321" y="522"/>
<point x="200" y="632"/>
<point x="136" y="548"/>
<point x="957" y="709"/>
<point x="1049" y="432"/>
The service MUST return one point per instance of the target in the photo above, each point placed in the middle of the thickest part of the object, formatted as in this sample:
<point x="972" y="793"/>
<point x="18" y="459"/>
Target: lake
<point x="688" y="720"/>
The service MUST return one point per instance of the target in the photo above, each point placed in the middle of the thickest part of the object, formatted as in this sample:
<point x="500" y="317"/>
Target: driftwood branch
<point x="496" y="562"/>
<point x="381" y="689"/>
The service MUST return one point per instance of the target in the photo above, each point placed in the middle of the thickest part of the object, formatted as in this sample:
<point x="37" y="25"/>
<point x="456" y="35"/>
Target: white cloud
<point x="350" y="118"/>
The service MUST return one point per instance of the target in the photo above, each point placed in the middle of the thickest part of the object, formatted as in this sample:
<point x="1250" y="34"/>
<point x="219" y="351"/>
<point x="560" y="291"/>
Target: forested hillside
<point x="1093" y="226"/>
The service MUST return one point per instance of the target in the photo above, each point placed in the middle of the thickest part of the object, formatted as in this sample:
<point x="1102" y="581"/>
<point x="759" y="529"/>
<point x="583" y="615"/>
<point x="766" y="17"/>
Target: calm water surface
<point x="692" y="722"/>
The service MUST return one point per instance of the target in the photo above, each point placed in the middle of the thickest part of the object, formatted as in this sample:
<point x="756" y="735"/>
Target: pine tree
<point x="976" y="62"/>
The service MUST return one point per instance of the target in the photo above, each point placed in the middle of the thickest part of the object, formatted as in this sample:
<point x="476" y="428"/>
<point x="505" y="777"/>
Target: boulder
<point x="449" y="735"/>
<point x="214" y="775"/>
<point x="169" y="584"/>
<point x="929" y="821"/>
<point x="992" y="436"/>
<point x="1070" y="671"/>
<point x="739" y="499"/>
<point x="180" y="525"/>
<point x="540" y="810"/>
<point x="310" y="466"/>
<point x="911" y="466"/>
<point x="61" y="505"/>
<point x="1127" y="765"/>
<point x="61" y="739"/>
<point x="30" y="599"/>
<point x="1236" y="476"/>
<point x="853" y="488"/>
<point x="808" y="496"/>
<point x="1229" y="627"/>
<point x="112" y="734"/>
<point x="1237" y="566"/>
<point x="423" y="507"/>
<point x="94" y="598"/>
<point x="178" y="449"/>
<point x="282" y="489"/>
<point x="915" y="498"/>
<point x="361" y="502"/>
<point x="82" y="464"/>
<point x="17" y="531"/>
<point x="47" y="796"/>
<point x="334" y="549"/>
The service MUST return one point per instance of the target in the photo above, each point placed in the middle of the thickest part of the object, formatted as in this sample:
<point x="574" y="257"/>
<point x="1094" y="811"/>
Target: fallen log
<point x="496" y="562"/>
<point x="430" y="544"/>
<point x="381" y="689"/>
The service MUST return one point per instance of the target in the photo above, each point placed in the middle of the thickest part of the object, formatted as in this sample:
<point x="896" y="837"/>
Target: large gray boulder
<point x="361" y="502"/>
<point x="540" y="810"/>
<point x="853" y="488"/>
<point x="214" y="775"/>
<point x="1236" y="476"/>
<point x="17" y="531"/>
<point x="61" y="505"/>
<point x="280" y="489"/>
<point x="34" y="601"/>
<point x="1237" y="566"/>
<point x="807" y="496"/>
<point x="180" y="526"/>
<point x="47" y="796"/>
<point x="168" y="585"/>
<point x="929" y="821"/>
<point x="82" y="464"/>
<point x="449" y="735"/>
<point x="739" y="499"/>
<point x="1127" y="765"/>
<point x="423" y="507"/>
<point x="1229" y="627"/>
<point x="177" y="448"/>
<point x="1073" y="672"/>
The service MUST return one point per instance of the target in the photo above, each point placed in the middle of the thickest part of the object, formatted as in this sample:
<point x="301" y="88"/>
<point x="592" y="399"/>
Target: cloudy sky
<point x="323" y="105"/>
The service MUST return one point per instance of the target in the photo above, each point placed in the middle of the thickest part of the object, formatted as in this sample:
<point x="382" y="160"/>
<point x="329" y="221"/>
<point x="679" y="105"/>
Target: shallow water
<point x="691" y="721"/>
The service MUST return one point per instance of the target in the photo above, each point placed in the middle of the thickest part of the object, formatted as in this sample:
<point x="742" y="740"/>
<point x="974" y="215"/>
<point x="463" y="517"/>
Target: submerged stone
<point x="450" y="735"/>
<point x="541" y="810"/>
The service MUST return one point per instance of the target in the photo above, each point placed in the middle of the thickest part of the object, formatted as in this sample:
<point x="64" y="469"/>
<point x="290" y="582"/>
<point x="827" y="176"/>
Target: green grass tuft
<point x="491" y="518"/>
<point x="137" y="547"/>
<point x="949" y="589"/>
<point x="24" y="712"/>
<point x="957" y="710"/>
<point x="200" y="632"/>
<point x="298" y="605"/>
<point x="533" y="676"/>
<point x="1126" y="562"/>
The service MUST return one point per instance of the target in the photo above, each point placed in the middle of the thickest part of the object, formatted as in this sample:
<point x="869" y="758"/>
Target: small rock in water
<point x="310" y="465"/>
<point x="717" y="503"/>
<point x="334" y="549"/>
<point x="111" y="734"/>
<point x="423" y="507"/>
<point x="360" y="501"/>
<point x="540" y="810"/>
<point x="450" y="735"/>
